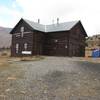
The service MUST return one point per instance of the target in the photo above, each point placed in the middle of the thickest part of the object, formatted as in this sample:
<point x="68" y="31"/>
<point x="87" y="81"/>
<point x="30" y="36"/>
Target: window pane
<point x="17" y="47"/>
<point x="25" y="46"/>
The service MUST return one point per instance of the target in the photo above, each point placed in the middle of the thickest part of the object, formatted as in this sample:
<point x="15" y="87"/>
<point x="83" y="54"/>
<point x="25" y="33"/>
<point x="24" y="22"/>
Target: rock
<point x="95" y="79"/>
<point x="7" y="90"/>
<point x="45" y="91"/>
<point x="23" y="92"/>
<point x="11" y="78"/>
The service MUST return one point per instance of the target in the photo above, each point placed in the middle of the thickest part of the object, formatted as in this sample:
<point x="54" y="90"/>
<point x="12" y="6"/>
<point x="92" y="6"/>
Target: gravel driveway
<point x="52" y="78"/>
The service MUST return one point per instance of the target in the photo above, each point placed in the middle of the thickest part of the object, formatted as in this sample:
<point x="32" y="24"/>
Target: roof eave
<point x="11" y="32"/>
<point x="56" y="31"/>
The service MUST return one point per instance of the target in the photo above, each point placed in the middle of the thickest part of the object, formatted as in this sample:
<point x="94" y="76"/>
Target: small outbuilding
<point x="60" y="39"/>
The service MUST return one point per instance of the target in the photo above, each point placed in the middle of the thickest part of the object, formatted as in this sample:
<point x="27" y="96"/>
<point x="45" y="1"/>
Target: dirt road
<point x="52" y="78"/>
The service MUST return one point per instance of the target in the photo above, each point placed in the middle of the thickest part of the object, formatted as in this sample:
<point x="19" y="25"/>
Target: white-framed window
<point x="22" y="31"/>
<point x="17" y="47"/>
<point x="25" y="46"/>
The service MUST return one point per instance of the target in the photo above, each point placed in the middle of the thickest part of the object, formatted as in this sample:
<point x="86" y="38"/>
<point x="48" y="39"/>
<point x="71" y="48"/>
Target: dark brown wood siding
<point x="56" y="44"/>
<point x="77" y="41"/>
<point x="21" y="41"/>
<point x="38" y="43"/>
<point x="18" y="39"/>
<point x="33" y="38"/>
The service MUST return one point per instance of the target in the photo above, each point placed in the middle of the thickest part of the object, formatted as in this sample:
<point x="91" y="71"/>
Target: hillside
<point x="5" y="37"/>
<point x="93" y="43"/>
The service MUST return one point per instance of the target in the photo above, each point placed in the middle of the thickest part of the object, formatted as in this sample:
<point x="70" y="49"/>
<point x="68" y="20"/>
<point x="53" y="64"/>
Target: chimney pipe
<point x="57" y="20"/>
<point x="38" y="21"/>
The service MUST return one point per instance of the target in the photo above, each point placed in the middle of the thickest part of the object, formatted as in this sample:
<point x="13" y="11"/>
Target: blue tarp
<point x="96" y="53"/>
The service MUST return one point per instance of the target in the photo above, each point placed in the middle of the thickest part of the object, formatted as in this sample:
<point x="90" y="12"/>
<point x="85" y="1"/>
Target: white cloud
<point x="5" y="10"/>
<point x="67" y="10"/>
<point x="8" y="17"/>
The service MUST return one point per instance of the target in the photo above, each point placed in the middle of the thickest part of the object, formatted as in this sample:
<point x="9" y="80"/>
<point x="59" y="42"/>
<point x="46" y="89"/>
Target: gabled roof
<point x="53" y="27"/>
<point x="66" y="26"/>
<point x="35" y="25"/>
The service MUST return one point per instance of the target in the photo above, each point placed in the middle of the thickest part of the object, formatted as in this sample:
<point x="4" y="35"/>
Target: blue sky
<point x="47" y="10"/>
<point x="6" y="2"/>
<point x="10" y="4"/>
<point x="8" y="8"/>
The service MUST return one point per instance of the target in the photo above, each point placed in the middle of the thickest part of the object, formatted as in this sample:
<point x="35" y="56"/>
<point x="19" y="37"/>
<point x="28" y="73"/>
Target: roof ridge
<point x="64" y="26"/>
<point x="32" y="21"/>
<point x="64" y="22"/>
<point x="51" y="24"/>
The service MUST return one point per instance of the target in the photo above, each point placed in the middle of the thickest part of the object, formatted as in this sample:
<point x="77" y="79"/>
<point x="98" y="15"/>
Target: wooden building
<point x="60" y="39"/>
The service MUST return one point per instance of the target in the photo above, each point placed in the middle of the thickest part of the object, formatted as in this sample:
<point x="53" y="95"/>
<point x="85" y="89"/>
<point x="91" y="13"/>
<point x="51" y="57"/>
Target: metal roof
<point x="53" y="27"/>
<point x="61" y="26"/>
<point x="35" y="25"/>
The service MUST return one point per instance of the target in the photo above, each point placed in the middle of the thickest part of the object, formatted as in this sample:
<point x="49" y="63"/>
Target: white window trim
<point x="17" y="47"/>
<point x="22" y="31"/>
<point x="25" y="46"/>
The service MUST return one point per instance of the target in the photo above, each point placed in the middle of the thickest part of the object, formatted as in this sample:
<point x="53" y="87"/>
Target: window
<point x="22" y="31"/>
<point x="56" y="40"/>
<point x="25" y="46"/>
<point x="66" y="46"/>
<point x="17" y="47"/>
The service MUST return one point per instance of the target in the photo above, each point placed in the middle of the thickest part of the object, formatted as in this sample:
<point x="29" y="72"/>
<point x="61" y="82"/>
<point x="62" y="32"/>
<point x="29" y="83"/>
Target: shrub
<point x="4" y="54"/>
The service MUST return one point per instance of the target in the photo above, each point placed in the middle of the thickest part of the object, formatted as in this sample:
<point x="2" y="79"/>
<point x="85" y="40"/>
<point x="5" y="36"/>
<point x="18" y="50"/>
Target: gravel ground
<point x="52" y="78"/>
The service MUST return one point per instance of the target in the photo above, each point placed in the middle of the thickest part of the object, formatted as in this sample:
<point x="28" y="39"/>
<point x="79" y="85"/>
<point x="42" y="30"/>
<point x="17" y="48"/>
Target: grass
<point x="34" y="58"/>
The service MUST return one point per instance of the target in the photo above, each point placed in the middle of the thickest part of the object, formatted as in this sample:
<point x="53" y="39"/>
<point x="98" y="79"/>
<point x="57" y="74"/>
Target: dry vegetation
<point x="33" y="58"/>
<point x="5" y="58"/>
<point x="89" y="59"/>
<point x="3" y="61"/>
